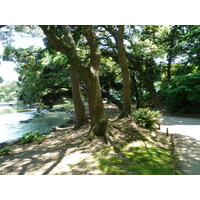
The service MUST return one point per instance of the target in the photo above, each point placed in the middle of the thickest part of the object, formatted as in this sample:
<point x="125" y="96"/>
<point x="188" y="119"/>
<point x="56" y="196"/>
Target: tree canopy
<point x="143" y="66"/>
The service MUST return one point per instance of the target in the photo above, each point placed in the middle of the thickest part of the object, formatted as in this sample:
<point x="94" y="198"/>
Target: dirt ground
<point x="59" y="153"/>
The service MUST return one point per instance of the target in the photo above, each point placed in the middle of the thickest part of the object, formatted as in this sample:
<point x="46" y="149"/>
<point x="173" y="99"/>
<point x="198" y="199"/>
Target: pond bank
<point x="15" y="124"/>
<point x="59" y="153"/>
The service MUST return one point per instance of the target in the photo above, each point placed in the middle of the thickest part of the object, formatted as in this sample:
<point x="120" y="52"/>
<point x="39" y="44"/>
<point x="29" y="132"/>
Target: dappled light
<point x="100" y="99"/>
<point x="188" y="149"/>
<point x="60" y="153"/>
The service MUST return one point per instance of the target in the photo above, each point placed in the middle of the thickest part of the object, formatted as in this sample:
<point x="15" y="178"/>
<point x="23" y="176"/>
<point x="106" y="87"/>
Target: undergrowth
<point x="147" y="118"/>
<point x="6" y="150"/>
<point x="31" y="136"/>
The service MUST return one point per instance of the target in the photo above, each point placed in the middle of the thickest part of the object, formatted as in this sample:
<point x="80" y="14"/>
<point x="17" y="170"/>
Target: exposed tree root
<point x="107" y="132"/>
<point x="80" y="124"/>
<point x="124" y="115"/>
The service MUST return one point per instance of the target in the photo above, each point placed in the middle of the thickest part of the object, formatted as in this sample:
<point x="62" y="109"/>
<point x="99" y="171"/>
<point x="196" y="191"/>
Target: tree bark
<point x="148" y="84"/>
<point x="81" y="118"/>
<point x="126" y="111"/>
<point x="99" y="120"/>
<point x="88" y="72"/>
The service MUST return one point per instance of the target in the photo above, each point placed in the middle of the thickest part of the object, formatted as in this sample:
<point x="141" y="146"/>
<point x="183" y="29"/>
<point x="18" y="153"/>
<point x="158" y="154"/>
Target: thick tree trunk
<point x="126" y="111"/>
<point x="89" y="74"/>
<point x="96" y="107"/>
<point x="99" y="120"/>
<point x="81" y="118"/>
<point x="155" y="100"/>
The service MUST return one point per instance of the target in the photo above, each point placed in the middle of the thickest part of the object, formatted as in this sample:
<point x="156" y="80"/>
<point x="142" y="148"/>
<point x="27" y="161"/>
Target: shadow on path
<point x="188" y="149"/>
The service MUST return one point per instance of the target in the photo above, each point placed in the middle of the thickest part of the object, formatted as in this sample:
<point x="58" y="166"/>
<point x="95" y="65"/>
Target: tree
<point x="8" y="92"/>
<point x="120" y="58"/>
<point x="190" y="43"/>
<point x="44" y="78"/>
<point x="139" y="55"/>
<point x="182" y="93"/>
<point x="142" y="53"/>
<point x="125" y="73"/>
<point x="81" y="118"/>
<point x="89" y="73"/>
<point x="29" y="69"/>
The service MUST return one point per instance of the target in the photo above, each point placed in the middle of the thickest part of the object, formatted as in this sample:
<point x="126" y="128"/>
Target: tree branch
<point x="94" y="46"/>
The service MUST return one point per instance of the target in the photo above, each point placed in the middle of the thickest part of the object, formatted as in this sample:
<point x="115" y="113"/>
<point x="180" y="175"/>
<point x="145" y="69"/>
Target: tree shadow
<point x="188" y="149"/>
<point x="46" y="155"/>
<point x="49" y="156"/>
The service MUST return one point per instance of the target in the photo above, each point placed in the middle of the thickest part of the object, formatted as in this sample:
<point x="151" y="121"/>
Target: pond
<point x="13" y="125"/>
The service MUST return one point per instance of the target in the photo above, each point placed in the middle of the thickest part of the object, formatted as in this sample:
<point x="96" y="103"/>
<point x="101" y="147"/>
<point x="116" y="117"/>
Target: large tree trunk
<point x="81" y="118"/>
<point x="155" y="100"/>
<point x="99" y="121"/>
<point x="89" y="74"/>
<point x="96" y="107"/>
<point x="126" y="111"/>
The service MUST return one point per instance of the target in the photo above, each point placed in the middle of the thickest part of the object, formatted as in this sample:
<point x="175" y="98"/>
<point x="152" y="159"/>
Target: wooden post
<point x="172" y="142"/>
<point x="167" y="132"/>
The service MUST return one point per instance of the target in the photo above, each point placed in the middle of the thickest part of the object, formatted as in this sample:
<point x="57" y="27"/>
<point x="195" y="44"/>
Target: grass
<point x="137" y="161"/>
<point x="66" y="106"/>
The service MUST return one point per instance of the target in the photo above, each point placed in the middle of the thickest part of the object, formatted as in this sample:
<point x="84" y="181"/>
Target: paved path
<point x="187" y="141"/>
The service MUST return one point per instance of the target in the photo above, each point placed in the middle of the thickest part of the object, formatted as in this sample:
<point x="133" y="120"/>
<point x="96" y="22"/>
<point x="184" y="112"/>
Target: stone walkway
<point x="186" y="133"/>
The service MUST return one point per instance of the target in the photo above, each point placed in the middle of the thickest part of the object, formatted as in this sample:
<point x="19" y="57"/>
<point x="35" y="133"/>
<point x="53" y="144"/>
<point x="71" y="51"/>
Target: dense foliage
<point x="163" y="64"/>
<point x="182" y="94"/>
<point x="147" y="118"/>
<point x="8" y="92"/>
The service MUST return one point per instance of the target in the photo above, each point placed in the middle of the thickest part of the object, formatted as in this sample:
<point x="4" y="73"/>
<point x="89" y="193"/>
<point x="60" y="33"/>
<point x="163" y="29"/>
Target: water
<point x="14" y="125"/>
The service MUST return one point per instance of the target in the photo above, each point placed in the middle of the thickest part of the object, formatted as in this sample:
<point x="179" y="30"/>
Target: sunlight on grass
<point x="138" y="161"/>
<point x="66" y="106"/>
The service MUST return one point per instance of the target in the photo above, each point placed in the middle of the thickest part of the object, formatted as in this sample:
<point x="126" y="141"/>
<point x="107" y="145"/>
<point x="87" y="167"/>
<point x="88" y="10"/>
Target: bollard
<point x="167" y="132"/>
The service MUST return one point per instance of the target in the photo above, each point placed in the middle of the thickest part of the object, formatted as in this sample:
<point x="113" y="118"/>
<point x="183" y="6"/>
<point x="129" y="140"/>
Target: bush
<point x="182" y="94"/>
<point x="30" y="137"/>
<point x="147" y="118"/>
<point x="6" y="150"/>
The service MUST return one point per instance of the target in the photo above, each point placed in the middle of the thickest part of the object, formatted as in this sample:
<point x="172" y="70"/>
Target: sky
<point x="7" y="69"/>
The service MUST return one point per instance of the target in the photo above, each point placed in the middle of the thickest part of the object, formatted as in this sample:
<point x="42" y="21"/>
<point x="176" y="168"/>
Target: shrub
<point x="6" y="150"/>
<point x="147" y="118"/>
<point x="30" y="137"/>
<point x="182" y="94"/>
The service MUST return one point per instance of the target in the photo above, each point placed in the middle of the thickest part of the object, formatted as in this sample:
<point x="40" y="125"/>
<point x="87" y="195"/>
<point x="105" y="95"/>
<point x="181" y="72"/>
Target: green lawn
<point x="138" y="161"/>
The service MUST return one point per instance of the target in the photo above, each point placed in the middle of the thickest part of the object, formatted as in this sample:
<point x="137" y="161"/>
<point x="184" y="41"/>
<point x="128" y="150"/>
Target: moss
<point x="138" y="160"/>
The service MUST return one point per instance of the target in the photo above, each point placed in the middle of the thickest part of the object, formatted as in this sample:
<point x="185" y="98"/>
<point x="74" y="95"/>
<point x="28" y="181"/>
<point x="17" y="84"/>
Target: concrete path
<point x="187" y="142"/>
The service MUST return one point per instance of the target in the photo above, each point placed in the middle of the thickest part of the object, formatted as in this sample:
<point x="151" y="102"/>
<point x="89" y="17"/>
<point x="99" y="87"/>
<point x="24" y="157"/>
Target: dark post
<point x="167" y="132"/>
